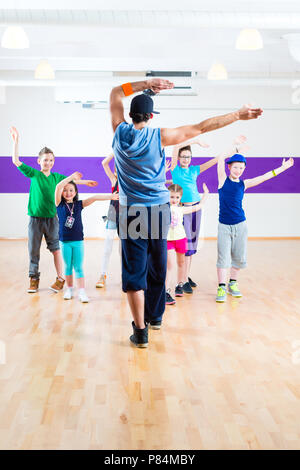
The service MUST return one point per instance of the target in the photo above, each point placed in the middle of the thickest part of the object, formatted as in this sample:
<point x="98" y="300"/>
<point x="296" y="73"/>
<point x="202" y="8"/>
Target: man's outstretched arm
<point x="180" y="134"/>
<point x="117" y="94"/>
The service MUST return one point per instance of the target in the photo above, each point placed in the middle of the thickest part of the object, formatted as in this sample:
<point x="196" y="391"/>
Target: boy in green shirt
<point x="42" y="212"/>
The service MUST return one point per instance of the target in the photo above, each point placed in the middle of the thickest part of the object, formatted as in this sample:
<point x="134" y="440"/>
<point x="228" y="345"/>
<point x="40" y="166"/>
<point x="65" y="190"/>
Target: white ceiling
<point x="98" y="36"/>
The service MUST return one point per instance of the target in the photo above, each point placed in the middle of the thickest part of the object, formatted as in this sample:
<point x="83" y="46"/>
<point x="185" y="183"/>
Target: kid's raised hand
<point x="168" y="165"/>
<point x="241" y="139"/>
<point x="287" y="163"/>
<point x="201" y="143"/>
<point x="91" y="183"/>
<point x="205" y="188"/>
<point x="14" y="133"/>
<point x="115" y="196"/>
<point x="77" y="175"/>
<point x="239" y="143"/>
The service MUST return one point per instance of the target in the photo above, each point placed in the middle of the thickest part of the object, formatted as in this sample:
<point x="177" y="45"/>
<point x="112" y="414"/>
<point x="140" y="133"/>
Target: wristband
<point x="273" y="171"/>
<point x="127" y="88"/>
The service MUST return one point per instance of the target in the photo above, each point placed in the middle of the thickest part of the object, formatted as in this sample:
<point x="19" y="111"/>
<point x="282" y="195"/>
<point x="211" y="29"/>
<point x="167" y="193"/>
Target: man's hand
<point x="14" y="133"/>
<point x="158" y="84"/>
<point x="287" y="163"/>
<point x="247" y="112"/>
<point x="91" y="183"/>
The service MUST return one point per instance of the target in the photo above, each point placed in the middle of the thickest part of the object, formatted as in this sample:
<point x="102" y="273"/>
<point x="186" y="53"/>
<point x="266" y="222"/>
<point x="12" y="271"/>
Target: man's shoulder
<point x="122" y="125"/>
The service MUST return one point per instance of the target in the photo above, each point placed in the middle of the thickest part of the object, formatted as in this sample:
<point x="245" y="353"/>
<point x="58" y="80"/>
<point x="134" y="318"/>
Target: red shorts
<point x="180" y="246"/>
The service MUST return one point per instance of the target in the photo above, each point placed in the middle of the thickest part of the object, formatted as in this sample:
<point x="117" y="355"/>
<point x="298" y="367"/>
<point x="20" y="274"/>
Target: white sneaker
<point x="83" y="297"/>
<point x="68" y="293"/>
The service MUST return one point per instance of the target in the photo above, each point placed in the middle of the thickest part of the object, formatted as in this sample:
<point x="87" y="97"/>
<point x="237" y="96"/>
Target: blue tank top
<point x="231" y="198"/>
<point x="187" y="179"/>
<point x="75" y="233"/>
<point x="141" y="166"/>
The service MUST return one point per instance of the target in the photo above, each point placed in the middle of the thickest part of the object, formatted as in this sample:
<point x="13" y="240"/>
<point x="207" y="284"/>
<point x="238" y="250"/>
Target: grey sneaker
<point x="233" y="289"/>
<point x="221" y="294"/>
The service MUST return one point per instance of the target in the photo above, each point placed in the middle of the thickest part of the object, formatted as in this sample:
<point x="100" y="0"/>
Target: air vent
<point x="88" y="95"/>
<point x="183" y="82"/>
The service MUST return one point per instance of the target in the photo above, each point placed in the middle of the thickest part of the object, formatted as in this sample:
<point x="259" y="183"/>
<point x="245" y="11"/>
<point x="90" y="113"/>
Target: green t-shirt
<point x="42" y="189"/>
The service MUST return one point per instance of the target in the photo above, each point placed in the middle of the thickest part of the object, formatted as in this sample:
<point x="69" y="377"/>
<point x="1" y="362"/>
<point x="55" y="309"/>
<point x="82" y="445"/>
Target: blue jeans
<point x="144" y="255"/>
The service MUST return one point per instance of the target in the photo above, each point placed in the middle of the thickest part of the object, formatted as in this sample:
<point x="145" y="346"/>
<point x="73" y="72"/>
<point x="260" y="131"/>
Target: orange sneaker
<point x="58" y="285"/>
<point x="102" y="281"/>
<point x="34" y="285"/>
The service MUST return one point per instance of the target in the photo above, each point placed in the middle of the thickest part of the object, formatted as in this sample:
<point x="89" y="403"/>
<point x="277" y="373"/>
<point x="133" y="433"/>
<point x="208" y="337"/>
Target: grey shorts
<point x="47" y="226"/>
<point x="232" y="245"/>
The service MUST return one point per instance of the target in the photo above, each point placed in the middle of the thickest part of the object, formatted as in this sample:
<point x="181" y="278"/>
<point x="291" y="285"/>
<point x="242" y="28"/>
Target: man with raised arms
<point x="144" y="198"/>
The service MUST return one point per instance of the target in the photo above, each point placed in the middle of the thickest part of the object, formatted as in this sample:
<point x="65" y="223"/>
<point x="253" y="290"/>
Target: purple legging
<point x="192" y="224"/>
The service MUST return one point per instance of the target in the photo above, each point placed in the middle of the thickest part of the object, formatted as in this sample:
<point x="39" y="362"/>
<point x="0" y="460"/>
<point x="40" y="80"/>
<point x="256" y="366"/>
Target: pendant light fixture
<point x="249" y="40"/>
<point x="14" y="37"/>
<point x="217" y="72"/>
<point x="44" y="71"/>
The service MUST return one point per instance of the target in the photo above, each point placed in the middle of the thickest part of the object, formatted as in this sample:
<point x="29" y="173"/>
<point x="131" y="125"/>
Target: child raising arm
<point x="69" y="210"/>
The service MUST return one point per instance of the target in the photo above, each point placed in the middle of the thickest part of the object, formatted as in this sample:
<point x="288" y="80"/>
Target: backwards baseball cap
<point x="142" y="104"/>
<point x="237" y="157"/>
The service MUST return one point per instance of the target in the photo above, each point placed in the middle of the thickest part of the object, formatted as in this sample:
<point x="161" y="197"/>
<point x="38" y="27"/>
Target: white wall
<point x="267" y="216"/>
<point x="72" y="131"/>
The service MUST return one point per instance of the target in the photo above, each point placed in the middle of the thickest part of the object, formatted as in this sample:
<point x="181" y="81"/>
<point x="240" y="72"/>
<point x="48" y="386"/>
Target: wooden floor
<point x="215" y="377"/>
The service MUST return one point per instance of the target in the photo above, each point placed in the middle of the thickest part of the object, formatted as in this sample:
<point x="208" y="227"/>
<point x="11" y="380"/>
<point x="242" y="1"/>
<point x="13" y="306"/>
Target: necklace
<point x="72" y="208"/>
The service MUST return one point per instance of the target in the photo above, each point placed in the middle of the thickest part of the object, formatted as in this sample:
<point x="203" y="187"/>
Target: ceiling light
<point x="14" y="37"/>
<point x="217" y="72"/>
<point x="249" y="40"/>
<point x="44" y="71"/>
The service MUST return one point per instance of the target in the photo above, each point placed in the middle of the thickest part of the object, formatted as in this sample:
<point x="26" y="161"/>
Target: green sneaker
<point x="233" y="289"/>
<point x="221" y="294"/>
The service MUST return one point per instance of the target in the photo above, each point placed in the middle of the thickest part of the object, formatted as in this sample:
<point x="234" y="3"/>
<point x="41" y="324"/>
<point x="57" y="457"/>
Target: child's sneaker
<point x="169" y="299"/>
<point x="58" y="285"/>
<point x="221" y="294"/>
<point x="179" y="290"/>
<point x="187" y="288"/>
<point x="139" y="337"/>
<point x="69" y="293"/>
<point x="83" y="297"/>
<point x="233" y="289"/>
<point x="34" y="285"/>
<point x="102" y="281"/>
<point x="192" y="283"/>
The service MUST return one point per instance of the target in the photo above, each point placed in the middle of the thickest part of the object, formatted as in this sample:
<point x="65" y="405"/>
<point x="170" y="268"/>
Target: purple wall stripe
<point x="13" y="181"/>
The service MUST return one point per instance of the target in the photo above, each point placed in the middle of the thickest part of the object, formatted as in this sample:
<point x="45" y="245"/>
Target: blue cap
<point x="142" y="104"/>
<point x="237" y="157"/>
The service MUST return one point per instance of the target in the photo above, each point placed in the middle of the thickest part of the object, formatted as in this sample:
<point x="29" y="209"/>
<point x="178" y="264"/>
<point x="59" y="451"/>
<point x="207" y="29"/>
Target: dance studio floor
<point x="215" y="377"/>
